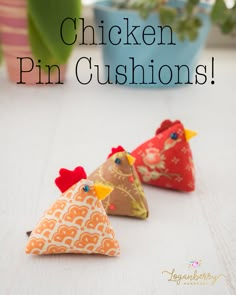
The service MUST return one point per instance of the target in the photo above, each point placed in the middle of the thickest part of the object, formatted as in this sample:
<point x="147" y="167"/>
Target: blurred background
<point x="215" y="39"/>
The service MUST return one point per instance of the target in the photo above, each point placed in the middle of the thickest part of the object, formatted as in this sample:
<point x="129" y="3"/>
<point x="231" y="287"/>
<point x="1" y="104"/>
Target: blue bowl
<point x="158" y="61"/>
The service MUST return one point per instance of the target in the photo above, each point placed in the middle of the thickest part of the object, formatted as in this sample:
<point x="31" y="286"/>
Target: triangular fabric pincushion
<point x="127" y="197"/>
<point x="166" y="159"/>
<point x="75" y="223"/>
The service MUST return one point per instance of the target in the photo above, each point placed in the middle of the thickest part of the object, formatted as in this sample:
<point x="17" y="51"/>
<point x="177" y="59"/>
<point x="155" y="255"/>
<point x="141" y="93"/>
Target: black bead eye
<point x="174" y="136"/>
<point x="86" y="188"/>
<point x="117" y="160"/>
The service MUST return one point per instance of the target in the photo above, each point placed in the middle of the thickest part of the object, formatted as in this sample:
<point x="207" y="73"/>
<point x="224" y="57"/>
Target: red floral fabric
<point x="166" y="159"/>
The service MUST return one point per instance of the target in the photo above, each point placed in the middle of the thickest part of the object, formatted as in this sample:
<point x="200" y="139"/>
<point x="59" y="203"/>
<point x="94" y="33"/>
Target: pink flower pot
<point x="15" y="43"/>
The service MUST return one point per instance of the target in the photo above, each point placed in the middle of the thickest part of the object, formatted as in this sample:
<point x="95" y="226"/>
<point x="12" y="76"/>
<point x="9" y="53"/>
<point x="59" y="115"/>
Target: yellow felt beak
<point x="130" y="159"/>
<point x="102" y="190"/>
<point x="189" y="134"/>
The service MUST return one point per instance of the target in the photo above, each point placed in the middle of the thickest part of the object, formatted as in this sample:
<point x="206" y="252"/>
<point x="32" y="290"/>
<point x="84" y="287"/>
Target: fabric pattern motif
<point x="166" y="159"/>
<point x="75" y="223"/>
<point x="127" y="198"/>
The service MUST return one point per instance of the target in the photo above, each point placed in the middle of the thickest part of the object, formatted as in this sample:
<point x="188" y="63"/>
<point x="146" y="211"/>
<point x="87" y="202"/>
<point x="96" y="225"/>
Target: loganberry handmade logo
<point x="193" y="276"/>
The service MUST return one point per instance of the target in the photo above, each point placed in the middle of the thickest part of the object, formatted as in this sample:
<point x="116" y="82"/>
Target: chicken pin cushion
<point x="166" y="159"/>
<point x="76" y="222"/>
<point x="127" y="197"/>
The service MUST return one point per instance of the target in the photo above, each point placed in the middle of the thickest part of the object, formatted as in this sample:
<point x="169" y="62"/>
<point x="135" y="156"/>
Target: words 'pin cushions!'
<point x="166" y="159"/>
<point x="76" y="222"/>
<point x="127" y="197"/>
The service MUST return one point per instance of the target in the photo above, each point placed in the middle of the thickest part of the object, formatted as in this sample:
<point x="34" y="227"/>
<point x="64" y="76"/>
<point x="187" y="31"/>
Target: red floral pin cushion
<point x="166" y="159"/>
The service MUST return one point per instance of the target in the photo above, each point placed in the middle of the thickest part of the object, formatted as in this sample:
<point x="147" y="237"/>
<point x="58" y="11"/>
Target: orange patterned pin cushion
<point x="76" y="222"/>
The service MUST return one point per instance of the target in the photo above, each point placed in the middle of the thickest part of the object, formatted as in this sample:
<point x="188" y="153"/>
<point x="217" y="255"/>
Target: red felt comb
<point x="68" y="178"/>
<point x="165" y="125"/>
<point x="116" y="150"/>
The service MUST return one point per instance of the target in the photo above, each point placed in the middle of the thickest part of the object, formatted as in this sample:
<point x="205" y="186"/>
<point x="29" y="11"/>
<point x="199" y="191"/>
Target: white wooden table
<point x="43" y="129"/>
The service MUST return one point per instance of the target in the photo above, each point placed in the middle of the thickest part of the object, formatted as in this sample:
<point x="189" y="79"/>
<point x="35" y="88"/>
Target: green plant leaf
<point x="39" y="49"/>
<point x="190" y="6"/>
<point x="194" y="2"/>
<point x="218" y="11"/>
<point x="45" y="18"/>
<point x="228" y="26"/>
<point x="197" y="22"/>
<point x="193" y="34"/>
<point x="167" y="15"/>
<point x="224" y="17"/>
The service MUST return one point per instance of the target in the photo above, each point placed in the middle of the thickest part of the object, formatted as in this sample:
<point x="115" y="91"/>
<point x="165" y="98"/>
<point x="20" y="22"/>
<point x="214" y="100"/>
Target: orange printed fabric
<point x="127" y="197"/>
<point x="166" y="159"/>
<point x="75" y="223"/>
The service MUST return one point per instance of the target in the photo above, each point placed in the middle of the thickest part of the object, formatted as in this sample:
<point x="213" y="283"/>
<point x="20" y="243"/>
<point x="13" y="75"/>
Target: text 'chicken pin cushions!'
<point x="127" y="197"/>
<point x="166" y="159"/>
<point x="76" y="222"/>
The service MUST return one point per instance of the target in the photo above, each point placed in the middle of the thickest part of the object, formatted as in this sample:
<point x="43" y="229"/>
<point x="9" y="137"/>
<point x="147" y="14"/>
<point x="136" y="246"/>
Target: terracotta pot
<point x="15" y="43"/>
